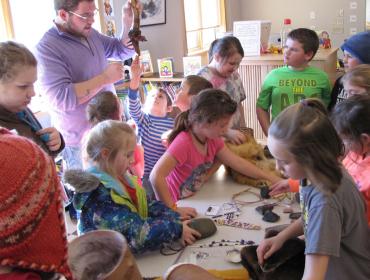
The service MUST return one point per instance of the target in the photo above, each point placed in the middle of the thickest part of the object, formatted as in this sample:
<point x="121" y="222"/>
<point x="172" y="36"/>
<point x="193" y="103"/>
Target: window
<point x="204" y="19"/>
<point x="26" y="22"/>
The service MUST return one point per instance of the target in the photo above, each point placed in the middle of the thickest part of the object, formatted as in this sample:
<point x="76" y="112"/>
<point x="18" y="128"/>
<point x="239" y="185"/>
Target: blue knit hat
<point x="359" y="46"/>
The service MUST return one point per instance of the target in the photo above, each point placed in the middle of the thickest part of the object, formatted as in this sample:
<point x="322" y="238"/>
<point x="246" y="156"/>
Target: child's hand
<point x="279" y="187"/>
<point x="136" y="70"/>
<point x="54" y="140"/>
<point x="267" y="247"/>
<point x="189" y="235"/>
<point x="186" y="213"/>
<point x="235" y="136"/>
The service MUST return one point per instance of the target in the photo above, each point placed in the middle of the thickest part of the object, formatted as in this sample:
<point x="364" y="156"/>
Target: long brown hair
<point x="351" y="117"/>
<point x="306" y="131"/>
<point x="208" y="106"/>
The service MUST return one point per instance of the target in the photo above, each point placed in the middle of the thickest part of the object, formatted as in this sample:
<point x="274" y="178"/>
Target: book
<point x="146" y="62"/>
<point x="165" y="67"/>
<point x="192" y="65"/>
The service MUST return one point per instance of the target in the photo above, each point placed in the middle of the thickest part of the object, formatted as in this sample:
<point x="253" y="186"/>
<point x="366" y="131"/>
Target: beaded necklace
<point x="198" y="139"/>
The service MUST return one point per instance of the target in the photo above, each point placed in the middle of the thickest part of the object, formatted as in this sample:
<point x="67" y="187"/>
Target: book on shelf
<point x="146" y="62"/>
<point x="192" y="65"/>
<point x="165" y="67"/>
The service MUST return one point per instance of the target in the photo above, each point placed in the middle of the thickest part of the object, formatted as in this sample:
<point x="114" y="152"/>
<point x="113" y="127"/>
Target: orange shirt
<point x="359" y="169"/>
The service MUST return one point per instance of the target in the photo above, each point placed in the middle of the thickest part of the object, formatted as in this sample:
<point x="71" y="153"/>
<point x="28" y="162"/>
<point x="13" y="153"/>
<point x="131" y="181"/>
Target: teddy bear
<point x="254" y="153"/>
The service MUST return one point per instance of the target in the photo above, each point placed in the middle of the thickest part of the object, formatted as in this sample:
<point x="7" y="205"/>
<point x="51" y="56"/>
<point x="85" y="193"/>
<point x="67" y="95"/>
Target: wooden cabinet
<point x="254" y="69"/>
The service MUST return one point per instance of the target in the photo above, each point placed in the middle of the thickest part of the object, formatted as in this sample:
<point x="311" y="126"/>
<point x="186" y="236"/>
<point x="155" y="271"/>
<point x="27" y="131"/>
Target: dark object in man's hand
<point x="135" y="33"/>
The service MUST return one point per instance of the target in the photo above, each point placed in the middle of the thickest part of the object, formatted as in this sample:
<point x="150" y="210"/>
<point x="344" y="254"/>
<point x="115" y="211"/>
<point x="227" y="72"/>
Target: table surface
<point x="217" y="191"/>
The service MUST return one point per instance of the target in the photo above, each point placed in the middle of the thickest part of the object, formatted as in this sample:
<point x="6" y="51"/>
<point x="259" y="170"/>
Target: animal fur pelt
<point x="286" y="263"/>
<point x="254" y="153"/>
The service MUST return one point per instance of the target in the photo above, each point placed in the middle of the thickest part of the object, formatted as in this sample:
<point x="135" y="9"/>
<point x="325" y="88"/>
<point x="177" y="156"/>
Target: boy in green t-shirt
<point x="297" y="80"/>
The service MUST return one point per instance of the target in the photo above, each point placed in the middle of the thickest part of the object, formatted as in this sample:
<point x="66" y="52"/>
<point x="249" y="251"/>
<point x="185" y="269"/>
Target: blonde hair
<point x="358" y="76"/>
<point x="112" y="136"/>
<point x="307" y="133"/>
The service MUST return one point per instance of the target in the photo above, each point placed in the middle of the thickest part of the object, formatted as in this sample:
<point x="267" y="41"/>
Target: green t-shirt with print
<point x="284" y="86"/>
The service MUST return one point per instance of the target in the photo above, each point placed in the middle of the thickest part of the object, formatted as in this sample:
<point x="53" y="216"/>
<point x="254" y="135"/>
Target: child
<point x="356" y="52"/>
<point x="151" y="125"/>
<point x="307" y="148"/>
<point x="107" y="197"/>
<point x="190" y="87"/>
<point x="357" y="80"/>
<point x="226" y="54"/>
<point x="32" y="229"/>
<point x="195" y="143"/>
<point x="18" y="73"/>
<point x="107" y="106"/>
<point x="351" y="119"/>
<point x="297" y="80"/>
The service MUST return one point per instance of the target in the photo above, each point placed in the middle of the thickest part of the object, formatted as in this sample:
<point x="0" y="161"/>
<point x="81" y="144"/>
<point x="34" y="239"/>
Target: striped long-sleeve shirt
<point x="150" y="130"/>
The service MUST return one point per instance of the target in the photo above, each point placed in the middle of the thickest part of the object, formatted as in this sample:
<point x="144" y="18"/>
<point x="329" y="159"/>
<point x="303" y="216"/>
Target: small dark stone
<point x="264" y="208"/>
<point x="270" y="217"/>
<point x="265" y="192"/>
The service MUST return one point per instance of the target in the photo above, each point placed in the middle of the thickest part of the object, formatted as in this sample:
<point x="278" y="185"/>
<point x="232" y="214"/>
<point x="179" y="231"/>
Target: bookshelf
<point x="154" y="77"/>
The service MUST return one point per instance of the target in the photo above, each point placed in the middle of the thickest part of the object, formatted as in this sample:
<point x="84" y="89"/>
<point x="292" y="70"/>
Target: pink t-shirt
<point x="188" y="175"/>
<point x="359" y="169"/>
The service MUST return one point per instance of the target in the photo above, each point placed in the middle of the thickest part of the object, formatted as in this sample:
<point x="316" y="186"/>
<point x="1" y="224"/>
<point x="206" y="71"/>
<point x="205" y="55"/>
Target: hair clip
<point x="304" y="102"/>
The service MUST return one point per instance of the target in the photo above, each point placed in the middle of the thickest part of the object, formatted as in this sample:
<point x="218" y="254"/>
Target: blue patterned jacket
<point x="102" y="204"/>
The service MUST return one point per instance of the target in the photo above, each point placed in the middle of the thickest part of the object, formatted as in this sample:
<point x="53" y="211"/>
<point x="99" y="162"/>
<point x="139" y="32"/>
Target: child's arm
<point x="135" y="109"/>
<point x="264" y="119"/>
<point x="141" y="233"/>
<point x="315" y="267"/>
<point x="270" y="245"/>
<point x="243" y="166"/>
<point x="160" y="171"/>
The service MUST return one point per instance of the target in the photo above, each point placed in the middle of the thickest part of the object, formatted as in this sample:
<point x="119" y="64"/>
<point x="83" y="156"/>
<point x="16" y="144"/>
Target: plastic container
<point x="285" y="29"/>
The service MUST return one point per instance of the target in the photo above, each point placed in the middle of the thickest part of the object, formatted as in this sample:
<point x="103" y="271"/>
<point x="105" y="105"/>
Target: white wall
<point x="169" y="39"/>
<point x="326" y="15"/>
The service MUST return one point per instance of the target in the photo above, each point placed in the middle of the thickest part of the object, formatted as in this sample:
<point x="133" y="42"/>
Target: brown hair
<point x="351" y="117"/>
<point x="358" y="76"/>
<point x="208" y="106"/>
<point x="104" y="106"/>
<point x="197" y="84"/>
<point x="310" y="137"/>
<point x="68" y="5"/>
<point x="225" y="47"/>
<point x="307" y="37"/>
<point x="13" y="56"/>
<point x="111" y="135"/>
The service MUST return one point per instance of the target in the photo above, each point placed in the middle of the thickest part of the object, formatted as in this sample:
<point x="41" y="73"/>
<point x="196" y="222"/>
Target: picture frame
<point x="146" y="62"/>
<point x="154" y="12"/>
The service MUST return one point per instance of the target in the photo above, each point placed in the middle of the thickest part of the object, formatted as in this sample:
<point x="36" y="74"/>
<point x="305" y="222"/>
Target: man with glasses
<point x="73" y="59"/>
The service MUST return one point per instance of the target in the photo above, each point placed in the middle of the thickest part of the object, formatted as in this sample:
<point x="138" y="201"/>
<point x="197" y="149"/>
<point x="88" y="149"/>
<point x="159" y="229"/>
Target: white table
<point x="218" y="190"/>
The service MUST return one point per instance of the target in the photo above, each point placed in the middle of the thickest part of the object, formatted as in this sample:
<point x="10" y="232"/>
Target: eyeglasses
<point x="85" y="17"/>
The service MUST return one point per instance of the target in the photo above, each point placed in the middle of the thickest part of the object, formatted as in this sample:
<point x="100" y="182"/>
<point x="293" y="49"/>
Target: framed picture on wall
<point x="154" y="12"/>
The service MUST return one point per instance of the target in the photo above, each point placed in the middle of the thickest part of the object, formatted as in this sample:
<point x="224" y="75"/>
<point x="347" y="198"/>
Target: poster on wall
<point x="108" y="17"/>
<point x="108" y="8"/>
<point x="154" y="12"/>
